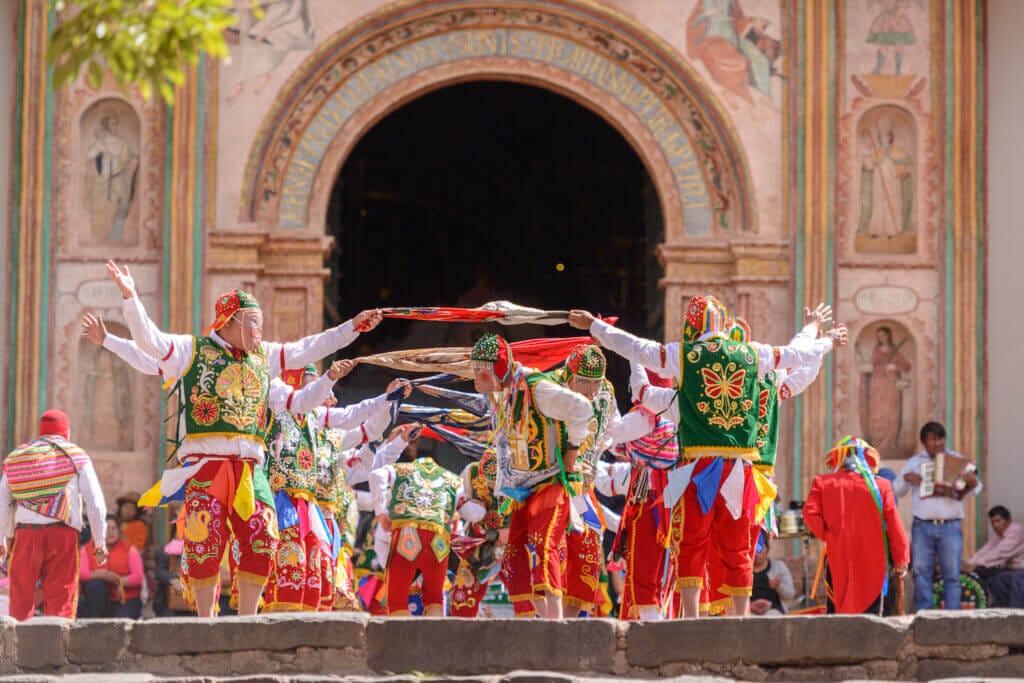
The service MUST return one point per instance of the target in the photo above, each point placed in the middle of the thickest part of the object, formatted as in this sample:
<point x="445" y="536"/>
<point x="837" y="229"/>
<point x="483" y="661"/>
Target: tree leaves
<point x="142" y="43"/>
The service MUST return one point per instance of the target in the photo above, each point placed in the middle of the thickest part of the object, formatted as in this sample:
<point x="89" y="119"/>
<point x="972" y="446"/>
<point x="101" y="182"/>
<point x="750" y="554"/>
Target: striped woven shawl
<point x="38" y="473"/>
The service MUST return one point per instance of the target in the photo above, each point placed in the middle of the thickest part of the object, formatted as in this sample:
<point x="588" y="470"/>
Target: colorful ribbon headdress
<point x="851" y="445"/>
<point x="704" y="314"/>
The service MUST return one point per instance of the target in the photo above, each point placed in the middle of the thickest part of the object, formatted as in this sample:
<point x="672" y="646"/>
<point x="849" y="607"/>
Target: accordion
<point x="933" y="476"/>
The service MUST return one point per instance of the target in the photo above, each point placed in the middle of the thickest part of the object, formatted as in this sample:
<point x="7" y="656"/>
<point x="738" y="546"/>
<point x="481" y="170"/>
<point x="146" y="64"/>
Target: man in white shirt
<point x="44" y="483"/>
<point x="936" y="532"/>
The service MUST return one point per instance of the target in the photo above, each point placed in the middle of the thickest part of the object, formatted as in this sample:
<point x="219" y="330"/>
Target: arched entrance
<point x="493" y="190"/>
<point x="584" y="51"/>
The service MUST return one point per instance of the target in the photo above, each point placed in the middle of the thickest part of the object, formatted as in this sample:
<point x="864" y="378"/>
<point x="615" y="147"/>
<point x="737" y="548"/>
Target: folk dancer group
<point x="267" y="466"/>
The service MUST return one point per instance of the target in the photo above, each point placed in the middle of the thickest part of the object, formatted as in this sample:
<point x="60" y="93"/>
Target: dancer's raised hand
<point x="580" y="319"/>
<point x="123" y="278"/>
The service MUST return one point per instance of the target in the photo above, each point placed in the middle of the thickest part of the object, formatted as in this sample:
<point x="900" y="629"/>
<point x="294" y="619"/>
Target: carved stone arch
<point x="590" y="53"/>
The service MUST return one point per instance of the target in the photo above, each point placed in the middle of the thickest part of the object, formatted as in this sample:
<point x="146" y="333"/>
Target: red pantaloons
<point x="295" y="582"/>
<point x="412" y="549"/>
<point x="582" y="570"/>
<point x="717" y="527"/>
<point x="644" y="554"/>
<point x="210" y="524"/>
<point x="536" y="544"/>
<point x="48" y="553"/>
<point x="467" y="593"/>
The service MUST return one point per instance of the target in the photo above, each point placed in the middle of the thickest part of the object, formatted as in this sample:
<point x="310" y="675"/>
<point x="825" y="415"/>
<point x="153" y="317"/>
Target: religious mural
<point x="110" y="136"/>
<point x="887" y="142"/>
<point x="736" y="49"/>
<point x="885" y="363"/>
<point x="266" y="33"/>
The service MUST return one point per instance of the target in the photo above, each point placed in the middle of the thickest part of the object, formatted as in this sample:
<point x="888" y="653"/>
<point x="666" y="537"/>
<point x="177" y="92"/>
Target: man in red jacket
<point x="855" y="514"/>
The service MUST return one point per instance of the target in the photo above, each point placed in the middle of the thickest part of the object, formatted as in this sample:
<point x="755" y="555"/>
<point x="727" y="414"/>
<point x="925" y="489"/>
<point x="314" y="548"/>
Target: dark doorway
<point x="492" y="190"/>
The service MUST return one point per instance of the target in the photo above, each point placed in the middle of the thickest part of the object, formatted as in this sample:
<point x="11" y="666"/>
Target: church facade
<point x="800" y="152"/>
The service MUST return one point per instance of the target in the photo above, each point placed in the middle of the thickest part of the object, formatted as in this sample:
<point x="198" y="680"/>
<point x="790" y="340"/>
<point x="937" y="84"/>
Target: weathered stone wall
<point x="987" y="643"/>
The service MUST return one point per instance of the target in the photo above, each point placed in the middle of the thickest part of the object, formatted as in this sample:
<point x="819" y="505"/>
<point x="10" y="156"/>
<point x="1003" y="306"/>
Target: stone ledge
<point x="39" y="643"/>
<point x="502" y="645"/>
<point x="266" y="632"/>
<point x="824" y="640"/>
<point x="995" y="626"/>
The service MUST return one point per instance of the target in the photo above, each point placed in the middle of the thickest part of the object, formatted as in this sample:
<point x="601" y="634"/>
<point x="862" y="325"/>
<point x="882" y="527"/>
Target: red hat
<point x="228" y="304"/>
<point x="55" y="422"/>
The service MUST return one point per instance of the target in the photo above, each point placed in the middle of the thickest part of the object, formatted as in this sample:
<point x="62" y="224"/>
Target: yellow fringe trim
<point x="421" y="524"/>
<point x="737" y="591"/>
<point x="542" y="588"/>
<point x="301" y="494"/>
<point x="716" y="606"/>
<point x="689" y="582"/>
<point x="250" y="577"/>
<point x="286" y="607"/>
<point x="577" y="604"/>
<point x="723" y="452"/>
<point x="204" y="582"/>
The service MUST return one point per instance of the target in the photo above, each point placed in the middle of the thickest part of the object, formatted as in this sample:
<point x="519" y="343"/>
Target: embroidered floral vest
<point x="483" y="476"/>
<point x="328" y="482"/>
<point x="291" y="463"/>
<point x="224" y="396"/>
<point x="768" y="418"/>
<point x="529" y="444"/>
<point x="718" y="400"/>
<point x="424" y="496"/>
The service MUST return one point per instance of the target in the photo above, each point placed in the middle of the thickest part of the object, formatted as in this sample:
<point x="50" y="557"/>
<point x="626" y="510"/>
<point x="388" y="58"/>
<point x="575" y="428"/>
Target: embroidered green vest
<point x="347" y="515"/>
<point x="291" y="459"/>
<point x="423" y="496"/>
<point x="224" y="396"/>
<point x="718" y="400"/>
<point x="330" y="475"/>
<point x="768" y="418"/>
<point x="544" y="441"/>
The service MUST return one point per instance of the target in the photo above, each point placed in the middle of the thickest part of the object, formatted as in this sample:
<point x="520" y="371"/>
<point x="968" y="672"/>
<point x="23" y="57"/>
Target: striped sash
<point x="38" y="473"/>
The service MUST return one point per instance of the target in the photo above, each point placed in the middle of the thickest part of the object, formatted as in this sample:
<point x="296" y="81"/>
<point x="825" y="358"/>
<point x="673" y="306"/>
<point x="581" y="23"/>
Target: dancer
<point x="718" y="431"/>
<point x="223" y="381"/>
<point x="539" y="426"/>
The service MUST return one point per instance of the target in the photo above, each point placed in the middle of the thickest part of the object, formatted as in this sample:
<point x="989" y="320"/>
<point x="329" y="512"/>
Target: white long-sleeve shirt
<point x="791" y="382"/>
<point x="281" y="396"/>
<point x="613" y="478"/>
<point x="359" y="462"/>
<point x="557" y="402"/>
<point x="81" y="489"/>
<point x="173" y="353"/>
<point x="664" y="358"/>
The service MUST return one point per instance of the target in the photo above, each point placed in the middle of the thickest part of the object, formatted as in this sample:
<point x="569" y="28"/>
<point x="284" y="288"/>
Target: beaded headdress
<point x="704" y="314"/>
<point x="493" y="349"/>
<point x="587" y="361"/>
<point x="230" y="303"/>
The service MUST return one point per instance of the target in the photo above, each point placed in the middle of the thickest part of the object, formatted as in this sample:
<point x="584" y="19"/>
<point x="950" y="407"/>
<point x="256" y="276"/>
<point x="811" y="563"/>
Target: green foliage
<point x="146" y="43"/>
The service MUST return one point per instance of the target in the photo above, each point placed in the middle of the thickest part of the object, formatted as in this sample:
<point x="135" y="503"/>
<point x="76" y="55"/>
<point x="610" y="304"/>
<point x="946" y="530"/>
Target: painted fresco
<point x="110" y="137"/>
<point x="886" y="363"/>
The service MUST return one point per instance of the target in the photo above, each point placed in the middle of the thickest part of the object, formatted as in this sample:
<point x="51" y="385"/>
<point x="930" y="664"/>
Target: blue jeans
<point x="928" y="541"/>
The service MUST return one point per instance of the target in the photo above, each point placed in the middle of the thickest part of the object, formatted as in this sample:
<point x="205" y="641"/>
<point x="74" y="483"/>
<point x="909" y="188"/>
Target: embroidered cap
<point x="851" y="445"/>
<point x="230" y="303"/>
<point x="492" y="348"/>
<point x="587" y="361"/>
<point x="704" y="314"/>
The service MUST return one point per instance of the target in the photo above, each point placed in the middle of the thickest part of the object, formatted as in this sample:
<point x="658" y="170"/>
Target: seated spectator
<point x="133" y="522"/>
<point x="1004" y="549"/>
<point x="1007" y="589"/>
<point x="115" y="589"/>
<point x="773" y="584"/>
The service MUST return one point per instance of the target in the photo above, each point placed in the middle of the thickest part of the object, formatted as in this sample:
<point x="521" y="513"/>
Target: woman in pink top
<point x="115" y="588"/>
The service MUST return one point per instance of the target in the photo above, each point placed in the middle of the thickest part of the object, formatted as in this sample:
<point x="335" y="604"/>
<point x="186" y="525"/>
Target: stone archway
<point x="588" y="53"/>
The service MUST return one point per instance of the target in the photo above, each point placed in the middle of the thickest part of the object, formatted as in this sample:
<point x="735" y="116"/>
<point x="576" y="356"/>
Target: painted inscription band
<point x="446" y="48"/>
